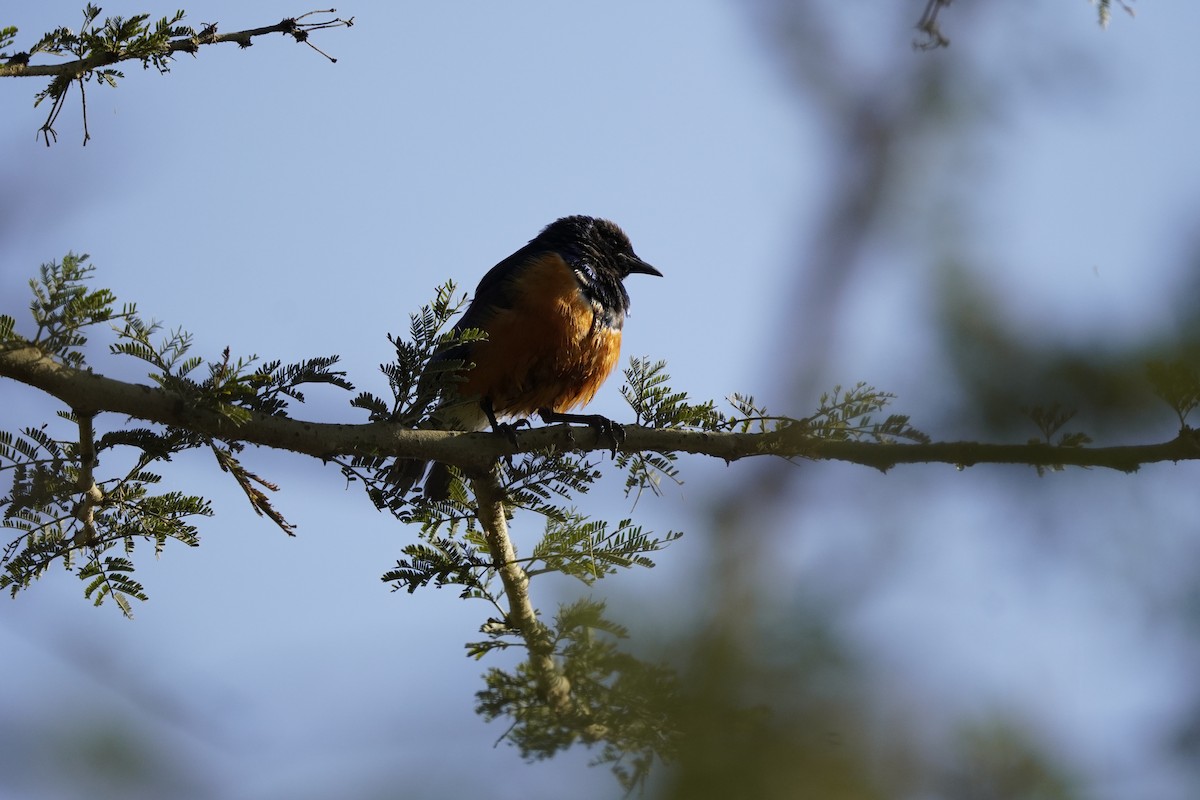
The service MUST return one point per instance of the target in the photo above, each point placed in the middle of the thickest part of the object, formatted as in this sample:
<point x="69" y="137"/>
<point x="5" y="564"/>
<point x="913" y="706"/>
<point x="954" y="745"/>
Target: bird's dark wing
<point x="500" y="287"/>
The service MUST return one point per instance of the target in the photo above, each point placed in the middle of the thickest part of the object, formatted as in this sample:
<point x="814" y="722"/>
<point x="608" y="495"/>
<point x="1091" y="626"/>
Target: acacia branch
<point x="129" y="40"/>
<point x="19" y="67"/>
<point x="88" y="392"/>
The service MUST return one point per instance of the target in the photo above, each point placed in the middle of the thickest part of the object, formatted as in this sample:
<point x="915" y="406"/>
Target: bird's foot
<point x="509" y="429"/>
<point x="604" y="427"/>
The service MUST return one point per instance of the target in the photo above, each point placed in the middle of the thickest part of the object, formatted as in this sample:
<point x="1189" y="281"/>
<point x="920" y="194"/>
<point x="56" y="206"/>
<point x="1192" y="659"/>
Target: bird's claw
<point x="613" y="430"/>
<point x="603" y="426"/>
<point x="509" y="429"/>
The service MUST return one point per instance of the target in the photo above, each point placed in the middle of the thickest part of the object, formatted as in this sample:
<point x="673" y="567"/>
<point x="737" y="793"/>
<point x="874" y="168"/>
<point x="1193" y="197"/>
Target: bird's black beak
<point x="634" y="264"/>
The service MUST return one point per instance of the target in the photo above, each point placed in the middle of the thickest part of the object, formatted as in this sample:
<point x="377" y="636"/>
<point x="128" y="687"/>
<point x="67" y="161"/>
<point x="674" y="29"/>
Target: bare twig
<point x="928" y="25"/>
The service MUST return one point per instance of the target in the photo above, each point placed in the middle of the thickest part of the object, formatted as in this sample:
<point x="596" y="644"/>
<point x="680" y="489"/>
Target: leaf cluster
<point x="445" y="561"/>
<point x="423" y="369"/>
<point x="232" y="387"/>
<point x="57" y="506"/>
<point x="115" y="39"/>
<point x="624" y="704"/>
<point x="1178" y="384"/>
<point x="850" y="415"/>
<point x="62" y="307"/>
<point x="656" y="405"/>
<point x="8" y="35"/>
<point x="1104" y="10"/>
<point x="428" y="366"/>
<point x="98" y="45"/>
<point x="842" y="415"/>
<point x="590" y="549"/>
<point x="45" y="509"/>
<point x="452" y="551"/>
<point x="1049" y="421"/>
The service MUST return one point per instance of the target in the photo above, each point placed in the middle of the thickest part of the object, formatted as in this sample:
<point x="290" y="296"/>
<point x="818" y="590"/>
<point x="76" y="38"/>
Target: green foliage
<point x="48" y="512"/>
<point x="843" y="415"/>
<point x="8" y="35"/>
<point x="617" y="702"/>
<point x="87" y="55"/>
<point x="1104" y="10"/>
<point x="232" y="387"/>
<point x="415" y="378"/>
<point x="997" y="758"/>
<point x="453" y="552"/>
<point x="589" y="550"/>
<point x="656" y="405"/>
<point x="58" y="507"/>
<point x="848" y="415"/>
<point x="62" y="307"/>
<point x="116" y="39"/>
<point x="539" y="481"/>
<point x="110" y="578"/>
<point x="280" y="380"/>
<point x="1049" y="421"/>
<point x="444" y="561"/>
<point x="423" y="371"/>
<point x="1178" y="384"/>
<point x="625" y="705"/>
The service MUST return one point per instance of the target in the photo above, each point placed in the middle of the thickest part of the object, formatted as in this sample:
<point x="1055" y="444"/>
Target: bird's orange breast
<point x="547" y="350"/>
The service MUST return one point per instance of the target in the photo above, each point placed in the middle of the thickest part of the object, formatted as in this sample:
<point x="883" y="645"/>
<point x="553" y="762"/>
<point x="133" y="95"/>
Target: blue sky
<point x="272" y="202"/>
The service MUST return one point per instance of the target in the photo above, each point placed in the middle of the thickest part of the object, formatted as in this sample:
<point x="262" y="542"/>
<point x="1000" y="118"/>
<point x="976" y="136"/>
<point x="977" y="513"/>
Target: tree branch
<point x="92" y="496"/>
<point x="97" y="48"/>
<point x="552" y="684"/>
<point x="88" y="392"/>
<point x="19" y="67"/>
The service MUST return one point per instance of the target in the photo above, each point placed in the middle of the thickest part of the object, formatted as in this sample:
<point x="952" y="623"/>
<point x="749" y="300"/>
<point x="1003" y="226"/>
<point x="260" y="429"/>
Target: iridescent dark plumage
<point x="553" y="313"/>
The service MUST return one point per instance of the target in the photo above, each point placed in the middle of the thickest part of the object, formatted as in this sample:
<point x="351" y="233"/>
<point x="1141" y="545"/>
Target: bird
<point x="552" y="313"/>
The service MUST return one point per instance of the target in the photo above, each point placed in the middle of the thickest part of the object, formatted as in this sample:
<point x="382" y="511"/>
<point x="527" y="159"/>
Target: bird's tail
<point x="459" y="416"/>
<point x="437" y="484"/>
<point x="407" y="473"/>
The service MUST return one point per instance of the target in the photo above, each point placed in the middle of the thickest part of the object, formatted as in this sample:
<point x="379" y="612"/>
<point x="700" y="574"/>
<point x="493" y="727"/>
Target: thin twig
<point x="83" y="103"/>
<point x="928" y="25"/>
